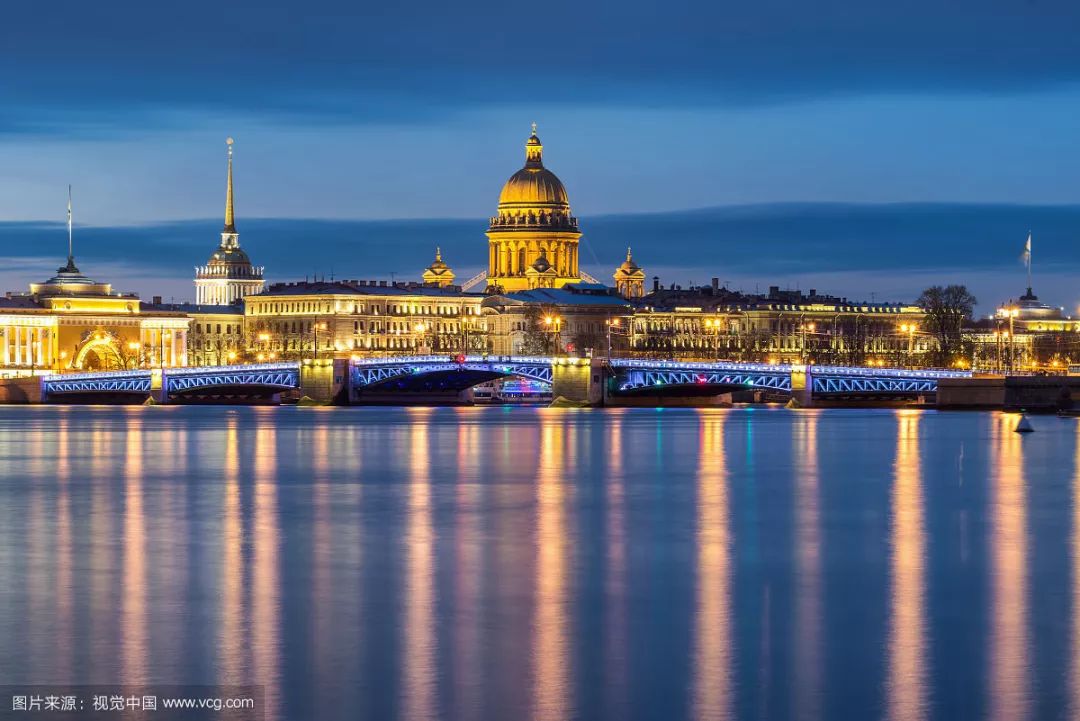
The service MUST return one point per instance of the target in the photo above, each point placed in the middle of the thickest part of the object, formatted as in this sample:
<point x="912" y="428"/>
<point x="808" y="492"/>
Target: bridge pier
<point x="802" y="386"/>
<point x="325" y="380"/>
<point x="580" y="381"/>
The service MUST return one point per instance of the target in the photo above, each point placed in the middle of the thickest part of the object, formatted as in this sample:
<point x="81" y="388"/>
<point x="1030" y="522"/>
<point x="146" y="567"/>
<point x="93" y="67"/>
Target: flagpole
<point x="1029" y="261"/>
<point x="70" y="254"/>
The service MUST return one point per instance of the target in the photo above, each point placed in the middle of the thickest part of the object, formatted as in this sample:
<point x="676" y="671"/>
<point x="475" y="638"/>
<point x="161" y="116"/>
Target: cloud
<point x="86" y="66"/>
<point x="893" y="251"/>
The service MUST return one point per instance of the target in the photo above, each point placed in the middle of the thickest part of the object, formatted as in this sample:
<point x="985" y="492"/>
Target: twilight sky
<point x="346" y="111"/>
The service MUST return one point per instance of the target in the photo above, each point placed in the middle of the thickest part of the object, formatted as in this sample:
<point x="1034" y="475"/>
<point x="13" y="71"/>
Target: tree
<point x="946" y="310"/>
<point x="537" y="339"/>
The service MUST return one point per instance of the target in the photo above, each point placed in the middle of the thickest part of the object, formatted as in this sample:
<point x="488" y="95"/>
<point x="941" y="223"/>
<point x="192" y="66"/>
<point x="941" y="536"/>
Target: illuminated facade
<point x="438" y="274"/>
<point x="353" y="317"/>
<point x="781" y="327"/>
<point x="629" y="278"/>
<point x="229" y="275"/>
<point x="533" y="238"/>
<point x="71" y="322"/>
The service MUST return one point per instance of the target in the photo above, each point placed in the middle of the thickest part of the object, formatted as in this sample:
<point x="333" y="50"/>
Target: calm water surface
<point x="548" y="564"/>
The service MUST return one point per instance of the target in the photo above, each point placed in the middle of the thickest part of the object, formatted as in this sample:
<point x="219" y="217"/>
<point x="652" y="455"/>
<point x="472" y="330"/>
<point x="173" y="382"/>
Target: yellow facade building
<point x="533" y="238"/>
<point x="290" y="321"/>
<point x="71" y="323"/>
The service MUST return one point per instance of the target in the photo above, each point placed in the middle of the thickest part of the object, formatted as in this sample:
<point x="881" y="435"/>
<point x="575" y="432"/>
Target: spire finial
<point x="629" y="255"/>
<point x="438" y="253"/>
<point x="71" y="252"/>
<point x="534" y="128"/>
<point x="230" y="225"/>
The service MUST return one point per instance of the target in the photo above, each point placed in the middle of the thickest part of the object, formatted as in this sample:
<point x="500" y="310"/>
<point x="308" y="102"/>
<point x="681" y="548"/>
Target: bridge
<point x="235" y="383"/>
<point x="404" y="379"/>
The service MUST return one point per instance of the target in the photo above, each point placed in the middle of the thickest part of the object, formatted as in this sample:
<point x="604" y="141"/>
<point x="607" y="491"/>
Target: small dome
<point x="229" y="256"/>
<point x="541" y="265"/>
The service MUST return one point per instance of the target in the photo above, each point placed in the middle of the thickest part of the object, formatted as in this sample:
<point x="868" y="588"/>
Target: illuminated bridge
<point x="413" y="378"/>
<point x="440" y="373"/>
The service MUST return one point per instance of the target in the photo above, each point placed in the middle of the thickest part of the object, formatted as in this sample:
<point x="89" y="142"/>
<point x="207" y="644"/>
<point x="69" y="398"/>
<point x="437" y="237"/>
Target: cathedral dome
<point x="533" y="188"/>
<point x="533" y="196"/>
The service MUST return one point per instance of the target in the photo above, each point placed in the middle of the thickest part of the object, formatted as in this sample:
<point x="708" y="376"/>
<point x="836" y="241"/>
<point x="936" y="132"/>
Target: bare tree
<point x="946" y="310"/>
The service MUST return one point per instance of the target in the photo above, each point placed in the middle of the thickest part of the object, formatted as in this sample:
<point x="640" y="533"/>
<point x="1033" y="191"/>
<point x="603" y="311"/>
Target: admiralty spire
<point x="533" y="238"/>
<point x="229" y="275"/>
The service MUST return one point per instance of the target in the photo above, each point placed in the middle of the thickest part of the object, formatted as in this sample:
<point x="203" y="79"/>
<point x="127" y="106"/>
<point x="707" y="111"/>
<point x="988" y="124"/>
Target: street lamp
<point x="1012" y="313"/>
<point x="806" y="328"/>
<point x="611" y="323"/>
<point x="421" y="328"/>
<point x="232" y="356"/>
<point x="134" y="347"/>
<point x="910" y="329"/>
<point x="553" y="322"/>
<point x="317" y="326"/>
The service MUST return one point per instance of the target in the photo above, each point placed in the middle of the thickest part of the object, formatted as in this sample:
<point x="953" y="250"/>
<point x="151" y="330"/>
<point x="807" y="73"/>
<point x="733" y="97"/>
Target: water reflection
<point x="615" y="661"/>
<point x="468" y="547"/>
<point x="806" y="699"/>
<point x="551" y="671"/>
<point x="712" y="682"/>
<point x="1074" y="681"/>
<point x="906" y="682"/>
<point x="231" y="664"/>
<point x="265" y="579"/>
<point x="419" y="653"/>
<point x="134" y="577"/>
<point x="1008" y="674"/>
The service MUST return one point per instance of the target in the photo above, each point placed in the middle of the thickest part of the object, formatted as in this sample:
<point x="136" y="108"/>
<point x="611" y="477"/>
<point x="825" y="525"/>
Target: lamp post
<point x="422" y="328"/>
<point x="611" y="323"/>
<point x="553" y="322"/>
<point x="805" y="328"/>
<point x="1012" y="312"/>
<point x="316" y="327"/>
<point x="134" y="347"/>
<point x="910" y="329"/>
<point x="712" y="325"/>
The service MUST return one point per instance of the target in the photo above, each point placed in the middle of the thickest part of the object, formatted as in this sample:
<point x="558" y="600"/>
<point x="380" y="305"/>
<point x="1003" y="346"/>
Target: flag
<point x="1027" y="251"/>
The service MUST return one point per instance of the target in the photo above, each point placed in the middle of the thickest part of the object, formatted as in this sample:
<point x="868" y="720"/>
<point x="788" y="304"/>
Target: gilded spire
<point x="438" y="254"/>
<point x="230" y="225"/>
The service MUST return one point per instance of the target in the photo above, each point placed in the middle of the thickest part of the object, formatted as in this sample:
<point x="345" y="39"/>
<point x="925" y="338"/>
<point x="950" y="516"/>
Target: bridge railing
<point x="447" y="358"/>
<point x="135" y="372"/>
<point x="234" y="368"/>
<point x="704" y="365"/>
<point x="888" y="372"/>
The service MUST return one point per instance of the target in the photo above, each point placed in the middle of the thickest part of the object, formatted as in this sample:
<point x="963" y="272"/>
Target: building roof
<point x="195" y="308"/>
<point x="576" y="294"/>
<point x="362" y="288"/>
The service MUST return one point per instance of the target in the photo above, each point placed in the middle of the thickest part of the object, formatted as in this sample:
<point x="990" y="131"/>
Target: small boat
<point x="1023" y="425"/>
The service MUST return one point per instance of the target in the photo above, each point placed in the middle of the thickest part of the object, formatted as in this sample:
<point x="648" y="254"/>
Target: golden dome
<point x="533" y="188"/>
<point x="534" y="196"/>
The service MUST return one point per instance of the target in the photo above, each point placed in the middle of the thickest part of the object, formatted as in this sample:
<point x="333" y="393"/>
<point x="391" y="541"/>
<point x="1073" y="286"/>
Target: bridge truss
<point x="265" y="375"/>
<point x="104" y="382"/>
<point x="370" y="372"/>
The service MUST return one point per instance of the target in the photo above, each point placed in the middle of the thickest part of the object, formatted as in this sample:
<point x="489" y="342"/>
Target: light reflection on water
<point x="545" y="564"/>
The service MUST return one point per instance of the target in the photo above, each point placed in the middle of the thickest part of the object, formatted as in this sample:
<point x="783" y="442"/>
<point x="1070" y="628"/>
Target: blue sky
<point x="360" y="112"/>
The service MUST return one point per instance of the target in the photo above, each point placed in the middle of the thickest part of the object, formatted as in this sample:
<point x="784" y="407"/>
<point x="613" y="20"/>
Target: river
<point x="526" y="563"/>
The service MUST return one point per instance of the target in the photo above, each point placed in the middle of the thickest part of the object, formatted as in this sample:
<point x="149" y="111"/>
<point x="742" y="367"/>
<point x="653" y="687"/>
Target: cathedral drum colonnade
<point x="533" y="240"/>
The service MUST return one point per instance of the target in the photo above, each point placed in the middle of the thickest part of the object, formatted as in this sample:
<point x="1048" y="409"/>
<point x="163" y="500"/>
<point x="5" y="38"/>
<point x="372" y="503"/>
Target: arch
<point x="104" y="347"/>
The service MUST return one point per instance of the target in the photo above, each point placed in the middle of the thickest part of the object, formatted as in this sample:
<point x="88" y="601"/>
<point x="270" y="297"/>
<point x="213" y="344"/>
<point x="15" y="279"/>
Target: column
<point x="18" y="345"/>
<point x="491" y="260"/>
<point x="7" y="341"/>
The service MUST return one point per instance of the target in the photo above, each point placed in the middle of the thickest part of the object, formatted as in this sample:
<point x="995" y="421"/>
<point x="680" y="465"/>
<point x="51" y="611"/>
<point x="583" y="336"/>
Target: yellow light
<point x="273" y="356"/>
<point x="549" y="320"/>
<point x="264" y="337"/>
<point x="232" y="355"/>
<point x="420" y="328"/>
<point x="133" y="345"/>
<point x="261" y="357"/>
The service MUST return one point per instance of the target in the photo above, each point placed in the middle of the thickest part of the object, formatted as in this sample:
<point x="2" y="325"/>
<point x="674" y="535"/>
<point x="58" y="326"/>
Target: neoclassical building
<point x="71" y="322"/>
<point x="533" y="238"/>
<point x="229" y="275"/>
